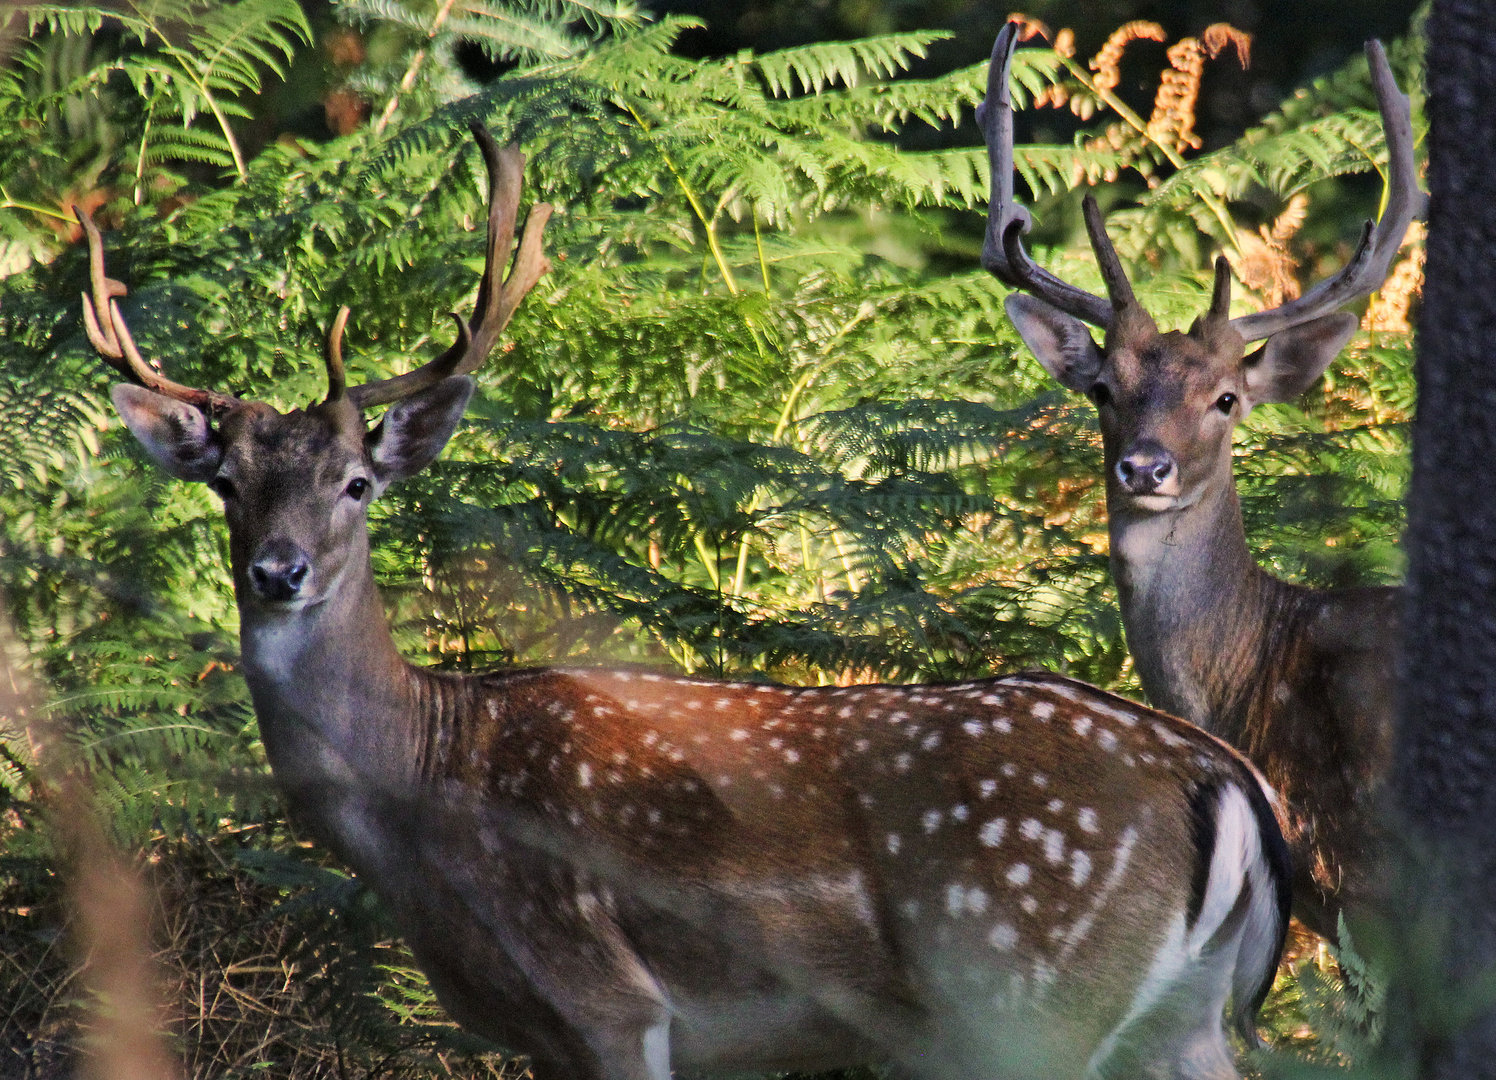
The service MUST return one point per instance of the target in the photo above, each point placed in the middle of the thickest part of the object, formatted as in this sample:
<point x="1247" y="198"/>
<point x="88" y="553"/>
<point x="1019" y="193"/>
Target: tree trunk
<point x="1445" y="781"/>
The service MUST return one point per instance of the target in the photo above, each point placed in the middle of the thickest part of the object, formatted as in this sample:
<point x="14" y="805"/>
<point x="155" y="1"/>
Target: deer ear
<point x="175" y="434"/>
<point x="1290" y="360"/>
<point x="1061" y="342"/>
<point x="413" y="432"/>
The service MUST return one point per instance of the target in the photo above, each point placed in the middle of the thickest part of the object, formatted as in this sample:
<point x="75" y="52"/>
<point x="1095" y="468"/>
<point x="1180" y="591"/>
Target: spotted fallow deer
<point x="1300" y="679"/>
<point x="622" y="872"/>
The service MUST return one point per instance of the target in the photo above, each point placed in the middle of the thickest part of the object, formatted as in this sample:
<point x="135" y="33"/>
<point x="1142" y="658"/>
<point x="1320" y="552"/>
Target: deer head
<point x="1168" y="401"/>
<point x="296" y="487"/>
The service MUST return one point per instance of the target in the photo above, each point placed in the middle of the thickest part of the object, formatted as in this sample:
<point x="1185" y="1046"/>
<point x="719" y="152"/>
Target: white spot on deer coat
<point x="1167" y="737"/>
<point x="973" y="728"/>
<point x="932" y="820"/>
<point x="1002" y="937"/>
<point x="1043" y="710"/>
<point x="1018" y="874"/>
<point x="1108" y="712"/>
<point x="1082" y="724"/>
<point x="992" y="833"/>
<point x="1085" y="817"/>
<point x="1080" y="867"/>
<point x="955" y="900"/>
<point x="1030" y="828"/>
<point x="1054" y="847"/>
<point x="894" y="843"/>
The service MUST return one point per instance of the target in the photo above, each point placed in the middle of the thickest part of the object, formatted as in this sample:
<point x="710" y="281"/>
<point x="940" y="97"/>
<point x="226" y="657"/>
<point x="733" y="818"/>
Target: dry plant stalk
<point x="112" y="913"/>
<point x="1389" y="307"/>
<point x="111" y="906"/>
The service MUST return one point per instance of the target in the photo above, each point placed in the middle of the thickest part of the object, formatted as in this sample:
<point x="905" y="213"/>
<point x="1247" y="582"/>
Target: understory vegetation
<point x="764" y="418"/>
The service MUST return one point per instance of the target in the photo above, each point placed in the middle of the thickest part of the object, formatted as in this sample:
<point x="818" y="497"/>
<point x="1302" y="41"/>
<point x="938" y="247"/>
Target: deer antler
<point x="496" y="302"/>
<point x="1003" y="253"/>
<point x="112" y="340"/>
<point x="1368" y="267"/>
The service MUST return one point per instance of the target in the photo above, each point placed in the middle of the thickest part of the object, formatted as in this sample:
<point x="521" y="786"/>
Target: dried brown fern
<point x="1262" y="259"/>
<point x="1390" y="305"/>
<point x="1107" y="63"/>
<point x="1173" y="119"/>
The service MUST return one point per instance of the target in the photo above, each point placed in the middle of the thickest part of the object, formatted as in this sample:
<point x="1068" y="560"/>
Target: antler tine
<point x="337" y="379"/>
<point x="1118" y="288"/>
<point x="112" y="340"/>
<point x="1368" y="267"/>
<point x="1002" y="251"/>
<point x="1220" y="297"/>
<point x="497" y="301"/>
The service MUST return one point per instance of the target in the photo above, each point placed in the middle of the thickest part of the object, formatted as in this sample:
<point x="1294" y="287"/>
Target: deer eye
<point x="357" y="488"/>
<point x="223" y="487"/>
<point x="1101" y="395"/>
<point x="1226" y="402"/>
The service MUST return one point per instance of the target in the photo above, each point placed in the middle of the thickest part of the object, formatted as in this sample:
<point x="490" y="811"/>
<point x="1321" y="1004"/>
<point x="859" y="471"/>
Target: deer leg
<point x="612" y="1055"/>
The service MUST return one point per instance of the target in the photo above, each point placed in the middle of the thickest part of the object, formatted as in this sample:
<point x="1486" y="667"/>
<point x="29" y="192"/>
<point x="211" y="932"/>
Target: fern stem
<point x="414" y="69"/>
<point x="706" y="560"/>
<point x="854" y="579"/>
<point x="707" y="223"/>
<point x="758" y="240"/>
<point x="185" y="66"/>
<point x="1136" y="122"/>
<point x="140" y="160"/>
<point x="864" y="311"/>
<point x="7" y="203"/>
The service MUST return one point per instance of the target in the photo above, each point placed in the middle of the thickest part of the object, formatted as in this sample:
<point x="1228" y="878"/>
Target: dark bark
<point x="1445" y="780"/>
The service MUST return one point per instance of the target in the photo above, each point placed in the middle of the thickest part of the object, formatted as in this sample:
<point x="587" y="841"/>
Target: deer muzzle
<point x="1148" y="469"/>
<point x="279" y="570"/>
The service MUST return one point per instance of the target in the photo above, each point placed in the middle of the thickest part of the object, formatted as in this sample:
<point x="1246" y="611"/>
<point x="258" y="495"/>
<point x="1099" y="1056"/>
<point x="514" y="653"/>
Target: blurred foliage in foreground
<point x="763" y="418"/>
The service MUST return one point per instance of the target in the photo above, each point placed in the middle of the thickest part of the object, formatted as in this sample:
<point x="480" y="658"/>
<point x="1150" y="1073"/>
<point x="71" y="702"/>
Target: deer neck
<point x="1194" y="604"/>
<point x="332" y="693"/>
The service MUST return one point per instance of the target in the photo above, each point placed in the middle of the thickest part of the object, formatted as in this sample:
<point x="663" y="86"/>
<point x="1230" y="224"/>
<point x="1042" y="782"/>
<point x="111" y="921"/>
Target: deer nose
<point x="1145" y="468"/>
<point x="279" y="569"/>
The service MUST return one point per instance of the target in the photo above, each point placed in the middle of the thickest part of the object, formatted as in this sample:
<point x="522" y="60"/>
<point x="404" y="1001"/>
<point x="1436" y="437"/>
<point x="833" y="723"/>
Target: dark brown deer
<point x="1301" y="679"/>
<point x="621" y="872"/>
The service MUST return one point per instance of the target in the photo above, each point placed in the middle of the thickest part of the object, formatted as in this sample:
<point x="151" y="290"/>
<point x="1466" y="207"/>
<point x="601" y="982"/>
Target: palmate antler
<point x="1003" y="253"/>
<point x="495" y="306"/>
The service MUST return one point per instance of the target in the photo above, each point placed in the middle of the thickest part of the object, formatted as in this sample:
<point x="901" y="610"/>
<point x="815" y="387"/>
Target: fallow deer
<point x="1300" y="679"/>
<point x="623" y="872"/>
